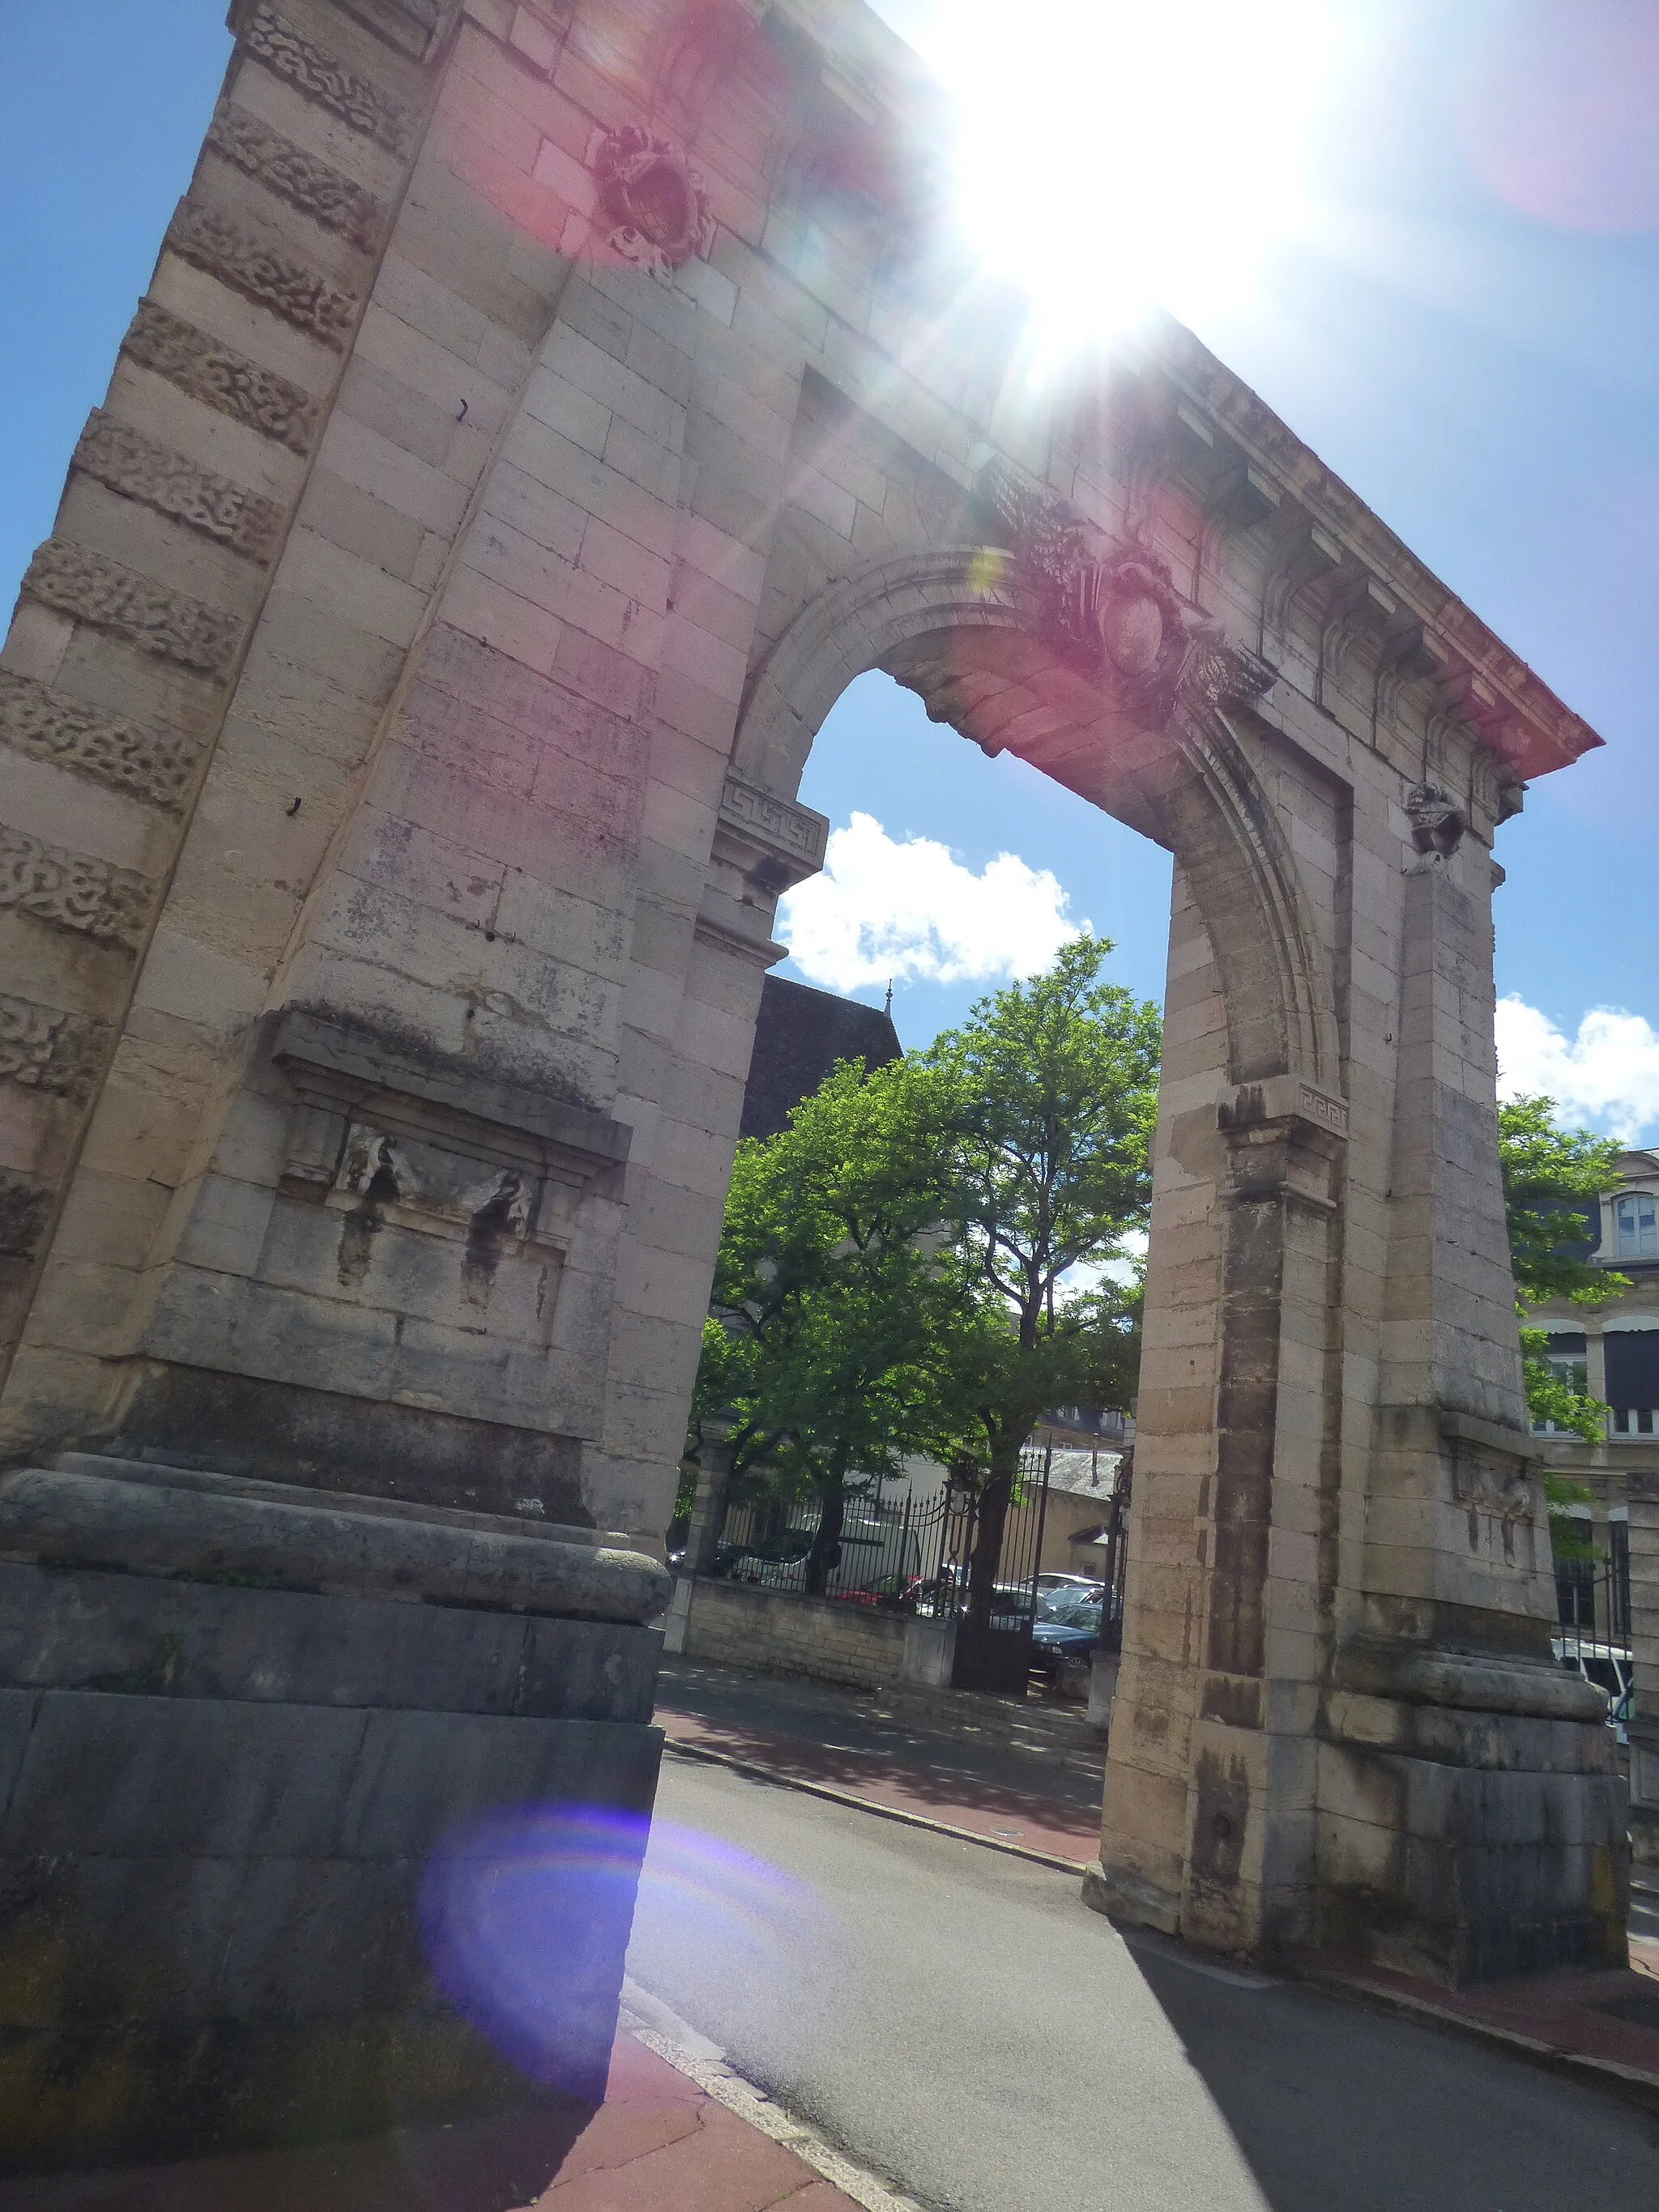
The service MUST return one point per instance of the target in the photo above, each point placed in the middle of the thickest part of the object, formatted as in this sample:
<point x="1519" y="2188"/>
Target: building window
<point x="1634" y="1420"/>
<point x="1636" y="1226"/>
<point x="1570" y="1370"/>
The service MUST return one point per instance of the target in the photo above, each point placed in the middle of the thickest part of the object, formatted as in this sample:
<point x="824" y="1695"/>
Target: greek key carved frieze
<point x="1113" y="609"/>
<point x="776" y="823"/>
<point x="221" y="378"/>
<point x="299" y="178"/>
<point x="94" y="589"/>
<point x="151" y="764"/>
<point x="363" y="106"/>
<point x="248" y="265"/>
<point x="45" y="1048"/>
<point x="71" y="890"/>
<point x="25" y="1207"/>
<point x="145" y="470"/>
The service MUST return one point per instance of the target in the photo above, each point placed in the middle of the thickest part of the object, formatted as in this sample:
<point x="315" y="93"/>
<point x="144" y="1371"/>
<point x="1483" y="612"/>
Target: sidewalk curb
<point x="755" y="1772"/>
<point x="670" y="2040"/>
<point x="1610" y="2072"/>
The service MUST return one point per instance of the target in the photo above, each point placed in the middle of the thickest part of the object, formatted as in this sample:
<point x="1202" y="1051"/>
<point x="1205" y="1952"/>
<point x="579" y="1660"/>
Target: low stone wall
<point x="777" y="1631"/>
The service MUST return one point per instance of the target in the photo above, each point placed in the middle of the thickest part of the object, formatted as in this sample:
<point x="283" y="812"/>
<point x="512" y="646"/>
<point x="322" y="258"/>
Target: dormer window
<point x="1636" y="1226"/>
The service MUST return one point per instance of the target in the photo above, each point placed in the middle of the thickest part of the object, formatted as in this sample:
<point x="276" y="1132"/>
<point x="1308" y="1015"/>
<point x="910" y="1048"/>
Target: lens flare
<point x="1558" y="114"/>
<point x="1114" y="156"/>
<point x="526" y="1912"/>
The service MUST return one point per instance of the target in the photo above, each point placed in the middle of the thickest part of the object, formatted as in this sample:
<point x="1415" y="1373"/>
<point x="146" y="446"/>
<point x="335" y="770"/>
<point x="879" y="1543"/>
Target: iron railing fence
<point x="912" y="1553"/>
<point x="1593" y="1598"/>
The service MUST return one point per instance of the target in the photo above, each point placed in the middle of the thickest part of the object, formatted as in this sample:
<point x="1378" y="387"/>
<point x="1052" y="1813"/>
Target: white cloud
<point x="910" y="910"/>
<point x="1608" y="1075"/>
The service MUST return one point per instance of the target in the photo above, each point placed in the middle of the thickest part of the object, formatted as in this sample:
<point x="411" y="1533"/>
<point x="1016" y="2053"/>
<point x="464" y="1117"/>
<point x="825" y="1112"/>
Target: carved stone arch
<point x="929" y="620"/>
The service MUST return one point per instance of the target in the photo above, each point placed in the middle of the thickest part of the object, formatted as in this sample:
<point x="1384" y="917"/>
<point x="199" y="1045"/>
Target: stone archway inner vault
<point x="537" y="416"/>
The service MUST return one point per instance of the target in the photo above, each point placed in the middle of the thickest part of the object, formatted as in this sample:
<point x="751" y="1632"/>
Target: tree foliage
<point x="823" y="1360"/>
<point x="1550" y="1175"/>
<point x="1056" y="1080"/>
<point x="893" y="1271"/>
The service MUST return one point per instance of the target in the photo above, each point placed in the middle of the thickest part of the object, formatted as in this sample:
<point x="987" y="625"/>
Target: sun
<point x="1116" y="154"/>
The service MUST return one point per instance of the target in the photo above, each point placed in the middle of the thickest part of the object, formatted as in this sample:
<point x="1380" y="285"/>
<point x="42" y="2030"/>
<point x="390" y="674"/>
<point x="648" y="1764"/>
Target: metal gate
<point x="993" y="1598"/>
<point x="940" y="1556"/>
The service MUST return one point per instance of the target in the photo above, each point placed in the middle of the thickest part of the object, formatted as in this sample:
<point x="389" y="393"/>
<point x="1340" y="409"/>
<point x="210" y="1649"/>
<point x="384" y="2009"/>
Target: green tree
<point x="893" y="1267"/>
<point x="832" y="1295"/>
<point x="1549" y="1174"/>
<point x="1053" y="1083"/>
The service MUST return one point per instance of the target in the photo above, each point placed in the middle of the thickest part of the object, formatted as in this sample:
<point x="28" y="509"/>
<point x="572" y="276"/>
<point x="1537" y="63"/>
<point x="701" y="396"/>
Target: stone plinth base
<point x="224" y="1804"/>
<point x="1469" y="1823"/>
<point x="1472" y="1821"/>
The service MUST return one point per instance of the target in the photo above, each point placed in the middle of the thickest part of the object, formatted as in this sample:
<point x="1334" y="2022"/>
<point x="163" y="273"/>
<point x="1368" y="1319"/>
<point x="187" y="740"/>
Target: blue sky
<point x="1464" y="325"/>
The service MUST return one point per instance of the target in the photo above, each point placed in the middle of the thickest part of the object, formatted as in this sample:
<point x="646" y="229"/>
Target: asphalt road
<point x="956" y="2020"/>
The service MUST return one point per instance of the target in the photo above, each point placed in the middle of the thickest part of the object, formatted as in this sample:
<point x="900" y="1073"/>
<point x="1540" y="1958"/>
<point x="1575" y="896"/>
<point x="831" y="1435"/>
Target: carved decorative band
<point x="220" y="378"/>
<point x="84" y="584"/>
<point x="44" y="1048"/>
<point x="777" y="824"/>
<point x="71" y="890"/>
<point x="1246" y="1107"/>
<point x="288" y="287"/>
<point x="299" y="178"/>
<point x="363" y="106"/>
<point x="412" y="26"/>
<point x="128" y="461"/>
<point x="25" y="1207"/>
<point x="152" y="765"/>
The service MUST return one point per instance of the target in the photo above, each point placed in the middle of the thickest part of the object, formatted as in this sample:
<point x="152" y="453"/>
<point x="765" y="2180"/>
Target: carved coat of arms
<point x="1113" y="609"/>
<point x="652" y="202"/>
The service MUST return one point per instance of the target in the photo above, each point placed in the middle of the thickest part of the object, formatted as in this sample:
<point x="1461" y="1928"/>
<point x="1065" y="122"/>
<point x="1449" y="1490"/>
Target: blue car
<point x="1067" y="1626"/>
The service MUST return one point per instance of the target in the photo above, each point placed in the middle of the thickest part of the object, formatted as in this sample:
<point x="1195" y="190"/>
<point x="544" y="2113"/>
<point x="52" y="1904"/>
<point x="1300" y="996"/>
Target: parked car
<point x="1067" y="1627"/>
<point x="1607" y="1665"/>
<point x="778" y="1562"/>
<point x="1052" y="1585"/>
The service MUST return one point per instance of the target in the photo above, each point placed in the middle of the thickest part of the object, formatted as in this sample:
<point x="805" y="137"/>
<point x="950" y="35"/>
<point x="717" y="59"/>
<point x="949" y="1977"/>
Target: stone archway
<point x="535" y="417"/>
<point x="1244" y="1325"/>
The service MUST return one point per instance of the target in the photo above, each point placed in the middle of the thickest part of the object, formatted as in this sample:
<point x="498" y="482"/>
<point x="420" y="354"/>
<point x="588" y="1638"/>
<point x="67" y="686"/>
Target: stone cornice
<point x="1512" y="709"/>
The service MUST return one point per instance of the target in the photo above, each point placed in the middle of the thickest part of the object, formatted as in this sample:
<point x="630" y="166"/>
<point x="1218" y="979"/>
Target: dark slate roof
<point x="799" y="1036"/>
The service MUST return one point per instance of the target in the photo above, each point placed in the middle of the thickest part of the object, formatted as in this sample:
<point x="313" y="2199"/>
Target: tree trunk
<point x="991" y="1519"/>
<point x="825" y="1555"/>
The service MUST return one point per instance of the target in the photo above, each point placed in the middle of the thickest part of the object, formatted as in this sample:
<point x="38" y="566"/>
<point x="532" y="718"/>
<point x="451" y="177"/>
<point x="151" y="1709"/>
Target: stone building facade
<point x="1612" y="1351"/>
<point x="541" y="410"/>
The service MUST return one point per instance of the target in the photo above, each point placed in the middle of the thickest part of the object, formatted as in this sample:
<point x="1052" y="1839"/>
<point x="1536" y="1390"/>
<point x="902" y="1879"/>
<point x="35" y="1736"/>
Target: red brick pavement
<point x="981" y="1809"/>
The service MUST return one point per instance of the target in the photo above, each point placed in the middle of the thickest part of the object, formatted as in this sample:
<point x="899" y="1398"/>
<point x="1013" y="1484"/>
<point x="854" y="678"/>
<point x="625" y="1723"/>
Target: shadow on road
<point x="1337" y="2104"/>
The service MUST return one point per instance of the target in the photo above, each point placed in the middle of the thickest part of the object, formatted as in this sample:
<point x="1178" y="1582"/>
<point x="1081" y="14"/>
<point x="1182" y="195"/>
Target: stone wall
<point x="776" y="1631"/>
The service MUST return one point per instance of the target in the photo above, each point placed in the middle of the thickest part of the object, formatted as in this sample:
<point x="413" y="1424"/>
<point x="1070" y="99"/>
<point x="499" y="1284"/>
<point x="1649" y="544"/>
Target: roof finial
<point x="888" y="1008"/>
